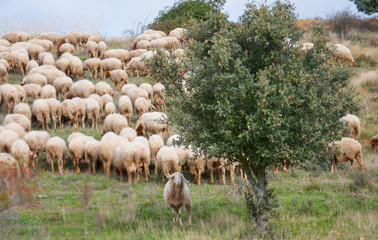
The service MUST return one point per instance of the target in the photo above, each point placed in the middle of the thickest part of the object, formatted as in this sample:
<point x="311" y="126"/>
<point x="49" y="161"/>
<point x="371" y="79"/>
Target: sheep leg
<point x="155" y="164"/>
<point x="173" y="213"/>
<point x="83" y="121"/>
<point x="211" y="176"/>
<point x="179" y="214"/>
<point x="60" y="165"/>
<point x="146" y="171"/>
<point x="224" y="176"/>
<point x="359" y="161"/>
<point x="232" y="170"/>
<point x="47" y="125"/>
<point x="136" y="177"/>
<point x="137" y="71"/>
<point x="54" y="121"/>
<point x="52" y="165"/>
<point x="199" y="178"/>
<point x="189" y="209"/>
<point x="94" y="167"/>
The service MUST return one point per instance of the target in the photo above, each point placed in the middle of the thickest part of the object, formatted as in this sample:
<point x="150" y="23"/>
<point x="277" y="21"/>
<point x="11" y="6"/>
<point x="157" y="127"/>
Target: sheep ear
<point x="185" y="180"/>
<point x="170" y="176"/>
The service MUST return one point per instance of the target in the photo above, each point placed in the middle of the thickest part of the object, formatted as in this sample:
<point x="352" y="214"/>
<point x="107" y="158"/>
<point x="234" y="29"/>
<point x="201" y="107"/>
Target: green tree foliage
<point x="252" y="95"/>
<point x="180" y="14"/>
<point x="366" y="6"/>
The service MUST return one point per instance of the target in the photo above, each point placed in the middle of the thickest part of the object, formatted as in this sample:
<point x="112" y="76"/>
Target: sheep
<point x="144" y="155"/>
<point x="37" y="141"/>
<point x="63" y="86"/>
<point x="48" y="91"/>
<point x="137" y="53"/>
<point x="118" y="77"/>
<point x="92" y="111"/>
<point x="45" y="43"/>
<point x="197" y="167"/>
<point x="5" y="43"/>
<point x="82" y="89"/>
<point x="15" y="127"/>
<point x="106" y="99"/>
<point x="22" y="108"/>
<point x="7" y="138"/>
<point x="102" y="88"/>
<point x="128" y="133"/>
<point x="155" y="142"/>
<point x="110" y="64"/>
<point x="108" y="144"/>
<point x="146" y="37"/>
<point x="343" y="53"/>
<point x="33" y="90"/>
<point x="48" y="60"/>
<point x="80" y="110"/>
<point x="18" y="118"/>
<point x="41" y="112"/>
<point x="176" y="34"/>
<point x="125" y="107"/>
<point x="143" y="44"/>
<point x="56" y="148"/>
<point x="126" y="158"/>
<point x="110" y="108"/>
<point x="115" y="123"/>
<point x="69" y="112"/>
<point x="5" y="63"/>
<point x="96" y="37"/>
<point x="135" y="93"/>
<point x="121" y="54"/>
<point x="374" y="142"/>
<point x="55" y="111"/>
<point x="143" y="105"/>
<point x="353" y="125"/>
<point x="172" y="42"/>
<point x="212" y="163"/>
<point x="9" y="96"/>
<point x="183" y="153"/>
<point x="9" y="166"/>
<point x="137" y="65"/>
<point x="35" y="78"/>
<point x="34" y="50"/>
<point x="127" y="87"/>
<point x="92" y="49"/>
<point x="72" y="136"/>
<point x="74" y="38"/>
<point x="152" y="122"/>
<point x="52" y="36"/>
<point x="21" y="93"/>
<point x="94" y="67"/>
<point x="101" y="48"/>
<point x="159" y="43"/>
<point x="21" y="152"/>
<point x="50" y="72"/>
<point x="3" y="74"/>
<point x="63" y="64"/>
<point x="177" y="196"/>
<point x="91" y="150"/>
<point x="307" y="46"/>
<point x="148" y="88"/>
<point x="41" y="56"/>
<point x="347" y="149"/>
<point x="31" y="64"/>
<point x="167" y="160"/>
<point x="159" y="96"/>
<point x="65" y="48"/>
<point x="76" y="68"/>
<point x="20" y="61"/>
<point x="99" y="101"/>
<point x="179" y="53"/>
<point x="77" y="150"/>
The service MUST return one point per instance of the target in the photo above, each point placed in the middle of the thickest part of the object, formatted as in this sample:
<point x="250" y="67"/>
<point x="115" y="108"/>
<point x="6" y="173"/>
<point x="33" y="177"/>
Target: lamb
<point x="41" y="112"/>
<point x="37" y="141"/>
<point x="118" y="77"/>
<point x="76" y="68"/>
<point x="121" y="54"/>
<point x="94" y="67"/>
<point x="353" y="125"/>
<point x="343" y="53"/>
<point x="115" y="123"/>
<point x="63" y="86"/>
<point x="3" y="74"/>
<point x="374" y="142"/>
<point x="110" y="108"/>
<point x="126" y="158"/>
<point x="33" y="90"/>
<point x="137" y="65"/>
<point x="7" y="138"/>
<point x="101" y="48"/>
<point x="102" y="88"/>
<point x="346" y="149"/>
<point x="35" y="78"/>
<point x="167" y="161"/>
<point x="108" y="145"/>
<point x="128" y="133"/>
<point x="21" y="152"/>
<point x="18" y="118"/>
<point x="80" y="110"/>
<point x="125" y="107"/>
<point x="155" y="142"/>
<point x="148" y="88"/>
<point x="22" y="108"/>
<point x="177" y="196"/>
<point x="110" y="64"/>
<point x="91" y="150"/>
<point x="159" y="96"/>
<point x="143" y="105"/>
<point x="77" y="150"/>
<point x="17" y="128"/>
<point x="31" y="64"/>
<point x="69" y="112"/>
<point x="92" y="111"/>
<point x="127" y="87"/>
<point x="9" y="96"/>
<point x="135" y="93"/>
<point x="55" y="111"/>
<point x="82" y="89"/>
<point x="56" y="148"/>
<point x="48" y="91"/>
<point x="92" y="49"/>
<point x="65" y="48"/>
<point x="152" y="122"/>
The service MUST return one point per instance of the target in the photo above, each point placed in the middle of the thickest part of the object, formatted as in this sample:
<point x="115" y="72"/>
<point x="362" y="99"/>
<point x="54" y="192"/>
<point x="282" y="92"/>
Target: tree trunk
<point x="259" y="185"/>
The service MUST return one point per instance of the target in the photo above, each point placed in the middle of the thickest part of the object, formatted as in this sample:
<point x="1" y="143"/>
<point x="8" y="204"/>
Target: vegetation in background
<point x="254" y="97"/>
<point x="180" y="14"/>
<point x="366" y="6"/>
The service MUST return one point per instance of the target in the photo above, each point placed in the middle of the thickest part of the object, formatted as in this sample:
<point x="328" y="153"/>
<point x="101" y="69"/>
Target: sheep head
<point x="177" y="178"/>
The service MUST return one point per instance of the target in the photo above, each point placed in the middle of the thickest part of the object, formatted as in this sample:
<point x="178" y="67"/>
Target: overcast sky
<point x="111" y="17"/>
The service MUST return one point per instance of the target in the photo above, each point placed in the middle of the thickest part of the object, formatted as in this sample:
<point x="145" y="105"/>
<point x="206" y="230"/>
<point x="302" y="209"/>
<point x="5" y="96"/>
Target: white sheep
<point x="92" y="149"/>
<point x="72" y="136"/>
<point x="37" y="141"/>
<point x="106" y="99"/>
<point x="155" y="142"/>
<point x="63" y="64"/>
<point x="159" y="96"/>
<point x="22" y="108"/>
<point x="115" y="123"/>
<point x="143" y="105"/>
<point x="92" y="49"/>
<point x="35" y="78"/>
<point x="56" y="148"/>
<point x="110" y="108"/>
<point x="128" y="133"/>
<point x="110" y="64"/>
<point x="69" y="112"/>
<point x="125" y="107"/>
<point x="343" y="53"/>
<point x="353" y="125"/>
<point x="94" y="67"/>
<point x="76" y="68"/>
<point x="346" y="149"/>
<point x="9" y="96"/>
<point x="144" y="155"/>
<point x="136" y="64"/>
<point x="126" y="158"/>
<point x="152" y="122"/>
<point x="101" y="48"/>
<point x="102" y="88"/>
<point x="31" y="64"/>
<point x="55" y="111"/>
<point x="148" y="88"/>
<point x="92" y="111"/>
<point x="64" y="48"/>
<point x="99" y="101"/>
<point x="41" y="112"/>
<point x="33" y="90"/>
<point x="127" y="87"/>
<point x="135" y="93"/>
<point x="15" y="127"/>
<point x="118" y="77"/>
<point x="137" y="53"/>
<point x="52" y="36"/>
<point x="167" y="161"/>
<point x="7" y="138"/>
<point x="121" y="54"/>
<point x="82" y="89"/>
<point x="80" y="110"/>
<point x="63" y="86"/>
<point x="48" y="91"/>
<point x="177" y="196"/>
<point x="21" y="152"/>
<point x="18" y="118"/>
<point x="3" y="74"/>
<point x="77" y="150"/>
<point x="108" y="145"/>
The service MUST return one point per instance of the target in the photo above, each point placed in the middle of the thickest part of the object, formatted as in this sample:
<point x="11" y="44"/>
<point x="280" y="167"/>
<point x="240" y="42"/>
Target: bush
<point x="342" y="22"/>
